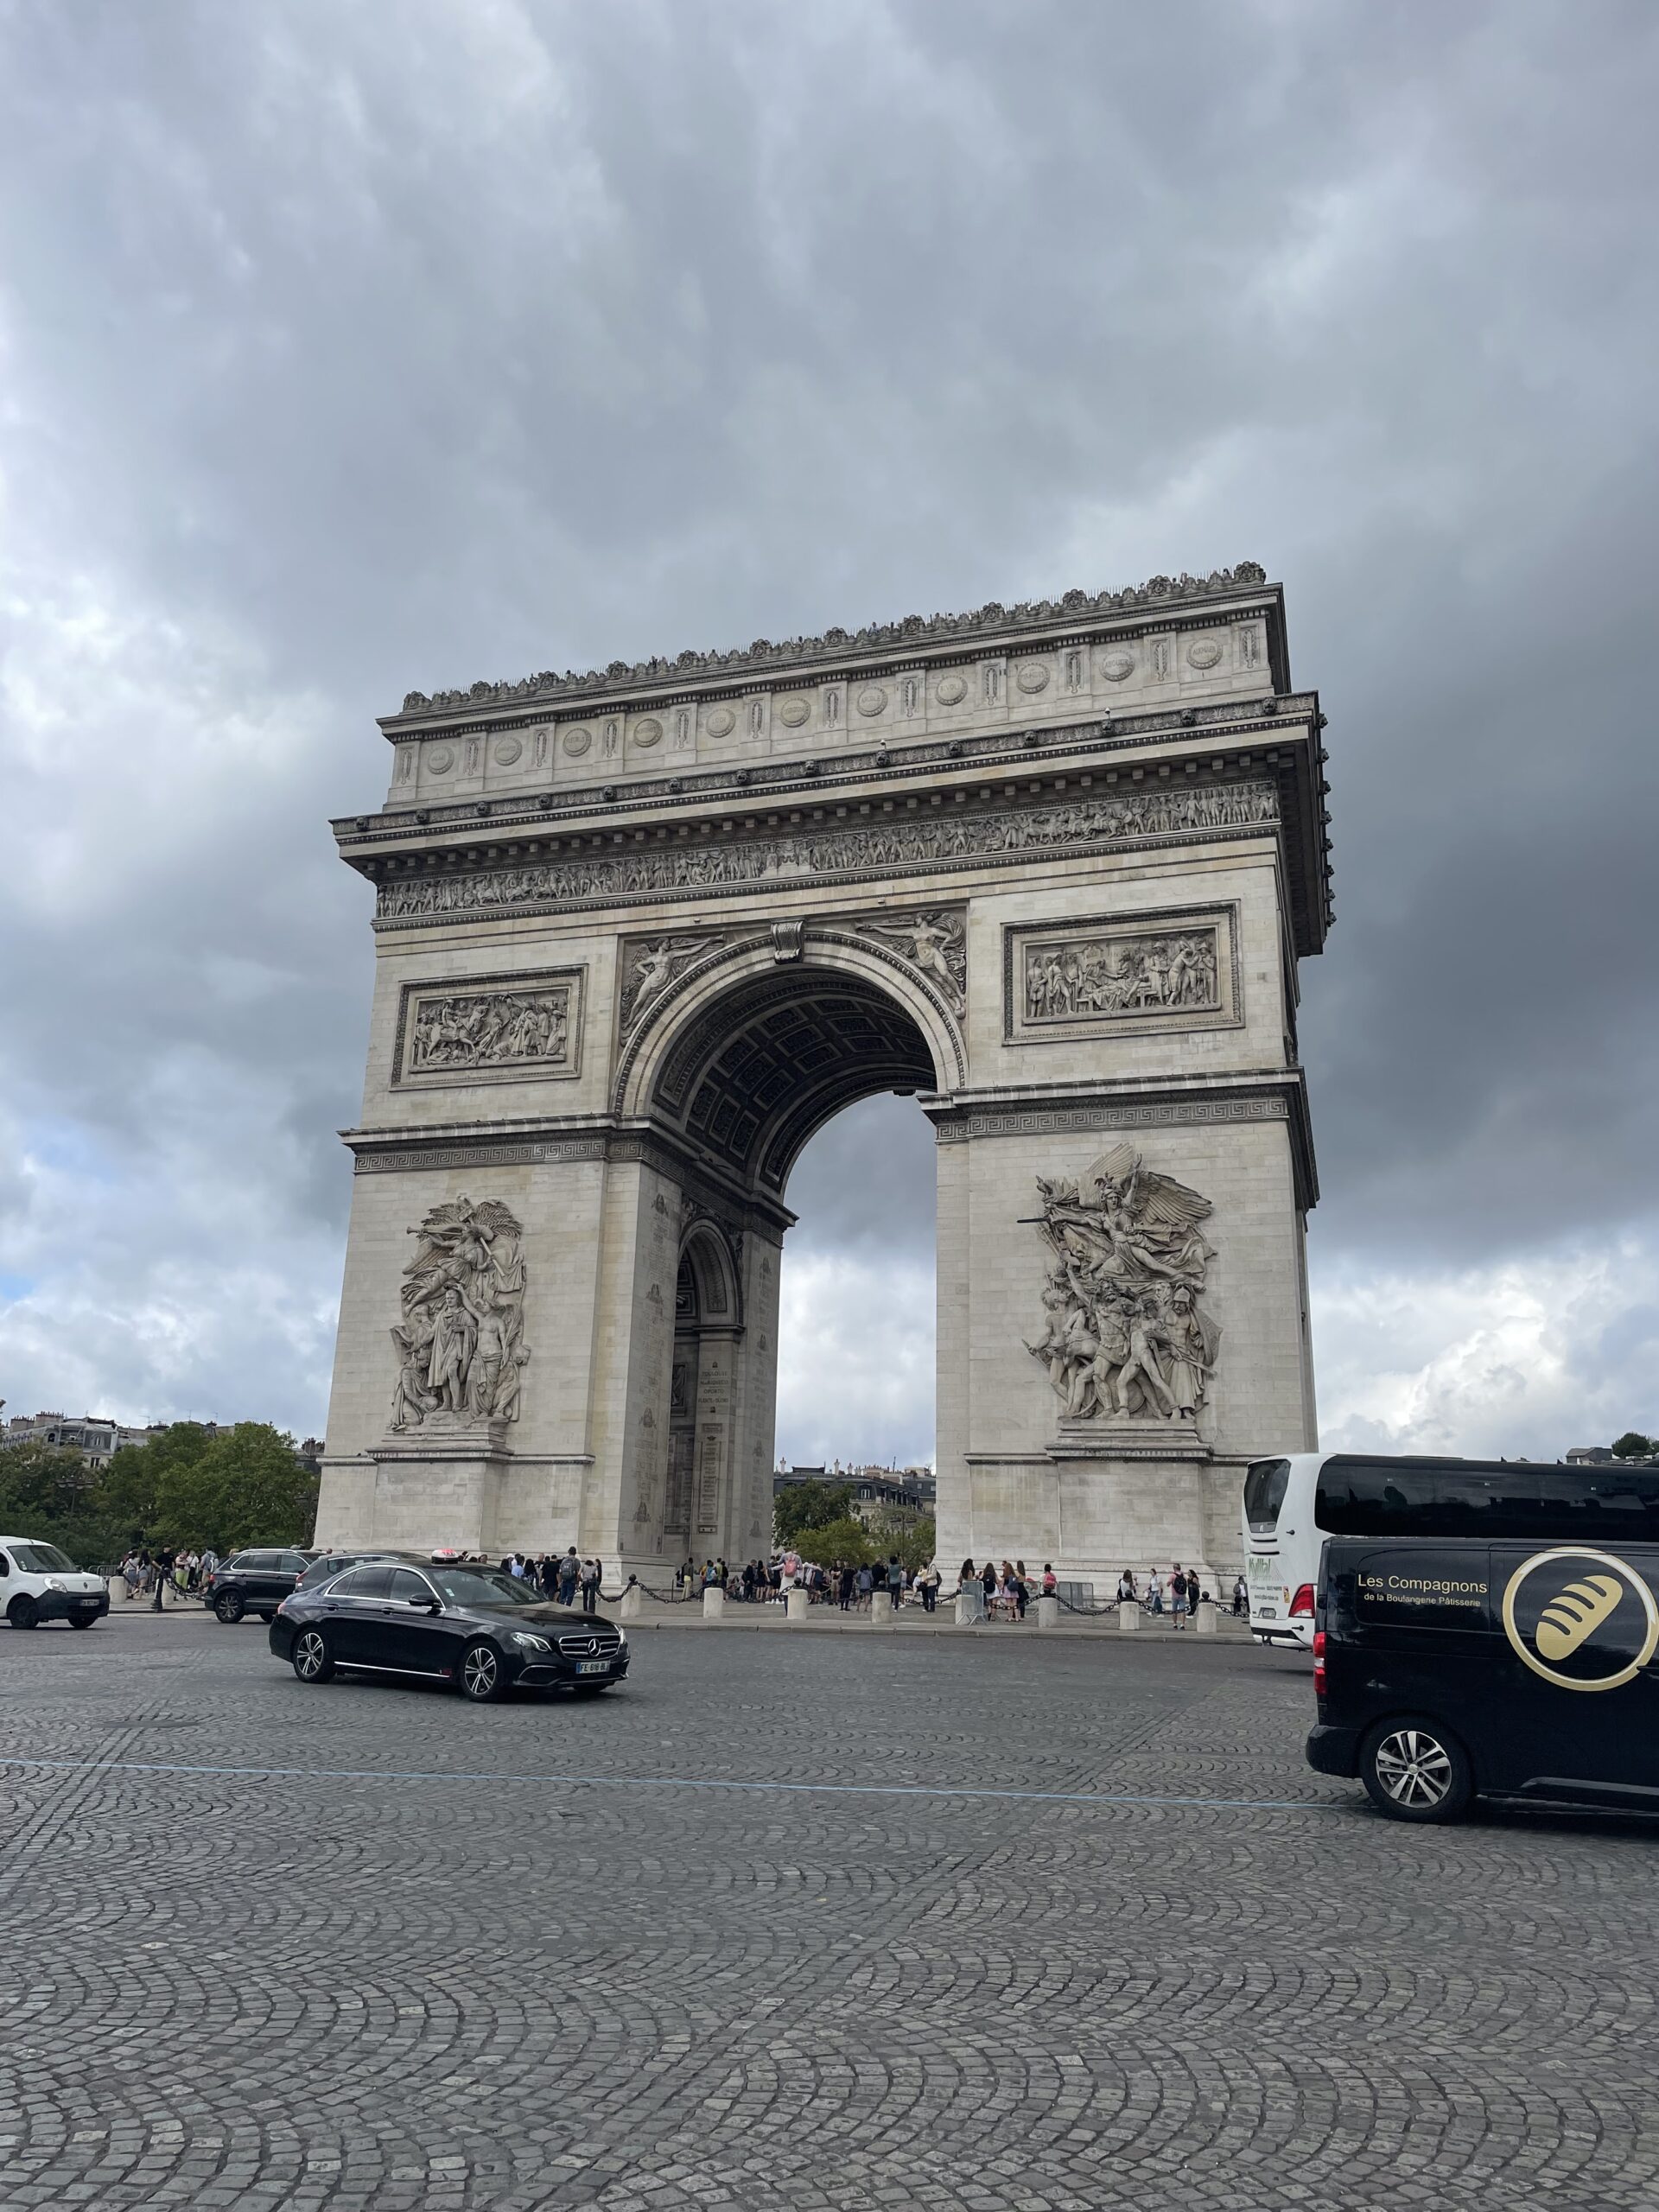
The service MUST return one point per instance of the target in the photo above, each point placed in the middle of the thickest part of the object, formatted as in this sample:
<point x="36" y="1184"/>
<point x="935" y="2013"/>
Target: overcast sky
<point x="347" y="349"/>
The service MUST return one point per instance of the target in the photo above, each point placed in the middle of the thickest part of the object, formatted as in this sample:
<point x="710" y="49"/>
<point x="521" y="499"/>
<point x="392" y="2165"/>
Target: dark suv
<point x="325" y="1565"/>
<point x="255" y="1582"/>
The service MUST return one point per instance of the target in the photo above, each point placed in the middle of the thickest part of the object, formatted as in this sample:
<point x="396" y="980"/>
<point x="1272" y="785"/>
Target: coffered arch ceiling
<point x="768" y="1064"/>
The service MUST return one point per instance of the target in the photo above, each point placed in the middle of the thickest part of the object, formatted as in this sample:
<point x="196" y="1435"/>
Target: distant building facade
<point x="94" y="1436"/>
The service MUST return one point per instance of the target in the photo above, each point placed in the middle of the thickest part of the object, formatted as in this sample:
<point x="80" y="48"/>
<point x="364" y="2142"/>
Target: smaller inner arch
<point x="767" y="1065"/>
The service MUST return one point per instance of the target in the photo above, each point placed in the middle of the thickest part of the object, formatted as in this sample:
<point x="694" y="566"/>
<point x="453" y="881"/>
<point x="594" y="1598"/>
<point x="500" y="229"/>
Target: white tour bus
<point x="1292" y="1505"/>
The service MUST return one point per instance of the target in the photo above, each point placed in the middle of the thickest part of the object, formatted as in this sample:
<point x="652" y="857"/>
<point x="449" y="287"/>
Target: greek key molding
<point x="388" y="1159"/>
<point x="932" y="844"/>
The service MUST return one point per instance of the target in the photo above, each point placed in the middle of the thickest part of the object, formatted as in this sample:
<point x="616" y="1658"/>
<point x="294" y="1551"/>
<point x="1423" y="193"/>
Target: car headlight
<point x="54" y="1582"/>
<point x="526" y="1642"/>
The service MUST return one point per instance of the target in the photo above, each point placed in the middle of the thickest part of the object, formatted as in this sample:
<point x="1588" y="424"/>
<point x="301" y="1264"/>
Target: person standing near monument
<point x="570" y="1575"/>
<point x="164" y="1559"/>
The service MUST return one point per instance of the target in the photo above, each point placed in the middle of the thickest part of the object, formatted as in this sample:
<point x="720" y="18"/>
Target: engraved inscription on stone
<point x="1163" y="970"/>
<point x="1125" y="1336"/>
<point x="528" y="1027"/>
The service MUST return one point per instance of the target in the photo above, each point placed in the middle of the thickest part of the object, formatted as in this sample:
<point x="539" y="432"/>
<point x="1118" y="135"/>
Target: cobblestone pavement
<point x="958" y="1923"/>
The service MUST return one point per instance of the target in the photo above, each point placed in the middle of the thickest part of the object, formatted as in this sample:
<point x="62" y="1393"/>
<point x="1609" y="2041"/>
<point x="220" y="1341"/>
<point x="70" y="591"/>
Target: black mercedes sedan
<point x="474" y="1626"/>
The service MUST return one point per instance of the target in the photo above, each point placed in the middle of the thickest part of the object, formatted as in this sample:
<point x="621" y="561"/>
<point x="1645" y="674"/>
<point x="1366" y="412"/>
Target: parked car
<point x="482" y="1630"/>
<point x="324" y="1568"/>
<point x="254" y="1582"/>
<point x="38" y="1583"/>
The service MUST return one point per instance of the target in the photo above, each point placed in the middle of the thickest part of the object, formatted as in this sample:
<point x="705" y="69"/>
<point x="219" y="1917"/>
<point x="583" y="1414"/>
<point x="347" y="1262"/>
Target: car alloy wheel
<point x="21" y="1612"/>
<point x="480" y="1673"/>
<point x="1416" y="1771"/>
<point x="1413" y="1767"/>
<point x="310" y="1655"/>
<point x="228" y="1606"/>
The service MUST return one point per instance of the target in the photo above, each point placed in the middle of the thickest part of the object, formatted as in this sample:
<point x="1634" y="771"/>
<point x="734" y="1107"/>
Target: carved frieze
<point x="489" y="1028"/>
<point x="1163" y="970"/>
<point x="460" y="1343"/>
<point x="928" y="844"/>
<point x="1124" y="1337"/>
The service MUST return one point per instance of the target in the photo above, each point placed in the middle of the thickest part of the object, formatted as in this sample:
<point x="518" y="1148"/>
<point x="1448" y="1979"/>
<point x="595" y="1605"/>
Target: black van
<point x="1449" y="1667"/>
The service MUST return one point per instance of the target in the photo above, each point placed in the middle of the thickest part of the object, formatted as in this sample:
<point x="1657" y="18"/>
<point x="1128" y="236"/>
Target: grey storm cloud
<point x="346" y="350"/>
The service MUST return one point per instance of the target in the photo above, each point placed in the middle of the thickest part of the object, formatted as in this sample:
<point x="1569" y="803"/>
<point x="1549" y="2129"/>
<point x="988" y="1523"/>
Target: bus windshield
<point x="1264" y="1495"/>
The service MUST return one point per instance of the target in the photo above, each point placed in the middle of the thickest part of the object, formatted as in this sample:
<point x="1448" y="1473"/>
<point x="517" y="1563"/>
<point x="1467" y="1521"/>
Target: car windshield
<point x="482" y="1585"/>
<point x="42" y="1558"/>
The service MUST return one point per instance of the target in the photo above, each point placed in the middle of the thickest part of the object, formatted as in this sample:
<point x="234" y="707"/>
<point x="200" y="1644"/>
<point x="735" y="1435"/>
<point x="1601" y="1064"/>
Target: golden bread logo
<point x="1555" y="1615"/>
<point x="1581" y="1607"/>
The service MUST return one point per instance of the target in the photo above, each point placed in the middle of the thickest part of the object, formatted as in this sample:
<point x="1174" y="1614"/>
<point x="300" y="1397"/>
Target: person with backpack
<point x="588" y="1581"/>
<point x="1177" y="1596"/>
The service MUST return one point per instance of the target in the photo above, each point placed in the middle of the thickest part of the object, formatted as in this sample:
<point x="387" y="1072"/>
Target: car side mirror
<point x="426" y="1604"/>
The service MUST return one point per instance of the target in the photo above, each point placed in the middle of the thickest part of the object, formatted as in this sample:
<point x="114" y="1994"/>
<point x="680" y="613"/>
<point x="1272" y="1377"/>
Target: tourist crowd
<point x="146" y="1573"/>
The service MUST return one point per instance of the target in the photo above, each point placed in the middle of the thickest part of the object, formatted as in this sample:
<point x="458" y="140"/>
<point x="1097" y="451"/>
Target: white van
<point x="37" y="1584"/>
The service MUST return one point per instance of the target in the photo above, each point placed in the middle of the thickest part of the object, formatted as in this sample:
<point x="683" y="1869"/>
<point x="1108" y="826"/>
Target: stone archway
<point x="639" y="935"/>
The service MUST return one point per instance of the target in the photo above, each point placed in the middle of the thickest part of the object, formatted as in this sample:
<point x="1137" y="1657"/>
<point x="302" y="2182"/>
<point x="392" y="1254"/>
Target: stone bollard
<point x="714" y="1604"/>
<point x="1048" y="1612"/>
<point x="633" y="1604"/>
<point x="798" y="1605"/>
<point x="880" y="1609"/>
<point x="970" y="1605"/>
<point x="1204" y="1619"/>
<point x="1129" y="1615"/>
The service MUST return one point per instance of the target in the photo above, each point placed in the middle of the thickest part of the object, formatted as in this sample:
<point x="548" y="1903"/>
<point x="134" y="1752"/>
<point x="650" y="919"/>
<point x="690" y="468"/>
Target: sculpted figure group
<point x="1123" y="975"/>
<point x="460" y="1352"/>
<point x="1124" y="1336"/>
<point x="486" y="1028"/>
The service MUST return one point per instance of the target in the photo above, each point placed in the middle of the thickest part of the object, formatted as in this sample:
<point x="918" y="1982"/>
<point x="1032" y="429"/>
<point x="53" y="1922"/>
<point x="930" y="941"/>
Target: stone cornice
<point x="1287" y="717"/>
<point x="1041" y="1110"/>
<point x="990" y="626"/>
<point x="544" y="1141"/>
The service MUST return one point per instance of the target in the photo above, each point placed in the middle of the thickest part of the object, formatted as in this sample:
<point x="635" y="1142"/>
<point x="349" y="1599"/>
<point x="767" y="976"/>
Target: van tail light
<point x="1319" y="1662"/>
<point x="1301" y="1605"/>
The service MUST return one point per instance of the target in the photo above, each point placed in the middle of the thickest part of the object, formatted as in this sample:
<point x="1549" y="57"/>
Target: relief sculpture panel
<point x="489" y="1027"/>
<point x="460" y="1341"/>
<point x="1149" y="971"/>
<point x="1124" y="1336"/>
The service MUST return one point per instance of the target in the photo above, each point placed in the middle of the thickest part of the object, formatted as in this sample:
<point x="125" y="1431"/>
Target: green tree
<point x="809" y="1505"/>
<point x="51" y="1493"/>
<point x="1631" y="1445"/>
<point x="140" y="1475"/>
<point x="844" y="1543"/>
<point x="914" y="1538"/>
<point x="247" y="1487"/>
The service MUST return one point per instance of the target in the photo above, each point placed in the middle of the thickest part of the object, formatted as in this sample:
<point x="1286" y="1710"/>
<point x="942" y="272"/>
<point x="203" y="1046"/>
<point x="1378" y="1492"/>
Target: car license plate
<point x="593" y="1666"/>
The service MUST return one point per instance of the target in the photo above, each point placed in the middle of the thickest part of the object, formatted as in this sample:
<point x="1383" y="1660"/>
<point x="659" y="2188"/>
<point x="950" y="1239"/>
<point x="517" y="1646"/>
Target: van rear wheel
<point x="1416" y="1770"/>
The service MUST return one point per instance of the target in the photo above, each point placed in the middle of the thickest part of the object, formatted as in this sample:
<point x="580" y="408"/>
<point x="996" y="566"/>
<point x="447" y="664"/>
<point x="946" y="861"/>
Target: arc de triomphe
<point x="1050" y="868"/>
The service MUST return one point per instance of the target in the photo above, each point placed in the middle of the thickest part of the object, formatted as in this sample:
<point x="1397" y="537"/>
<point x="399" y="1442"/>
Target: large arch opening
<point x="856" y="1324"/>
<point x="754" y="1075"/>
<point x="748" y="1072"/>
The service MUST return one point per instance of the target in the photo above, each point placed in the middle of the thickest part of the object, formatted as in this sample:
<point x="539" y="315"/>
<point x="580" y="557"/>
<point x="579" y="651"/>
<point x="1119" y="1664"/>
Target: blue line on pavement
<point x="677" y="1781"/>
